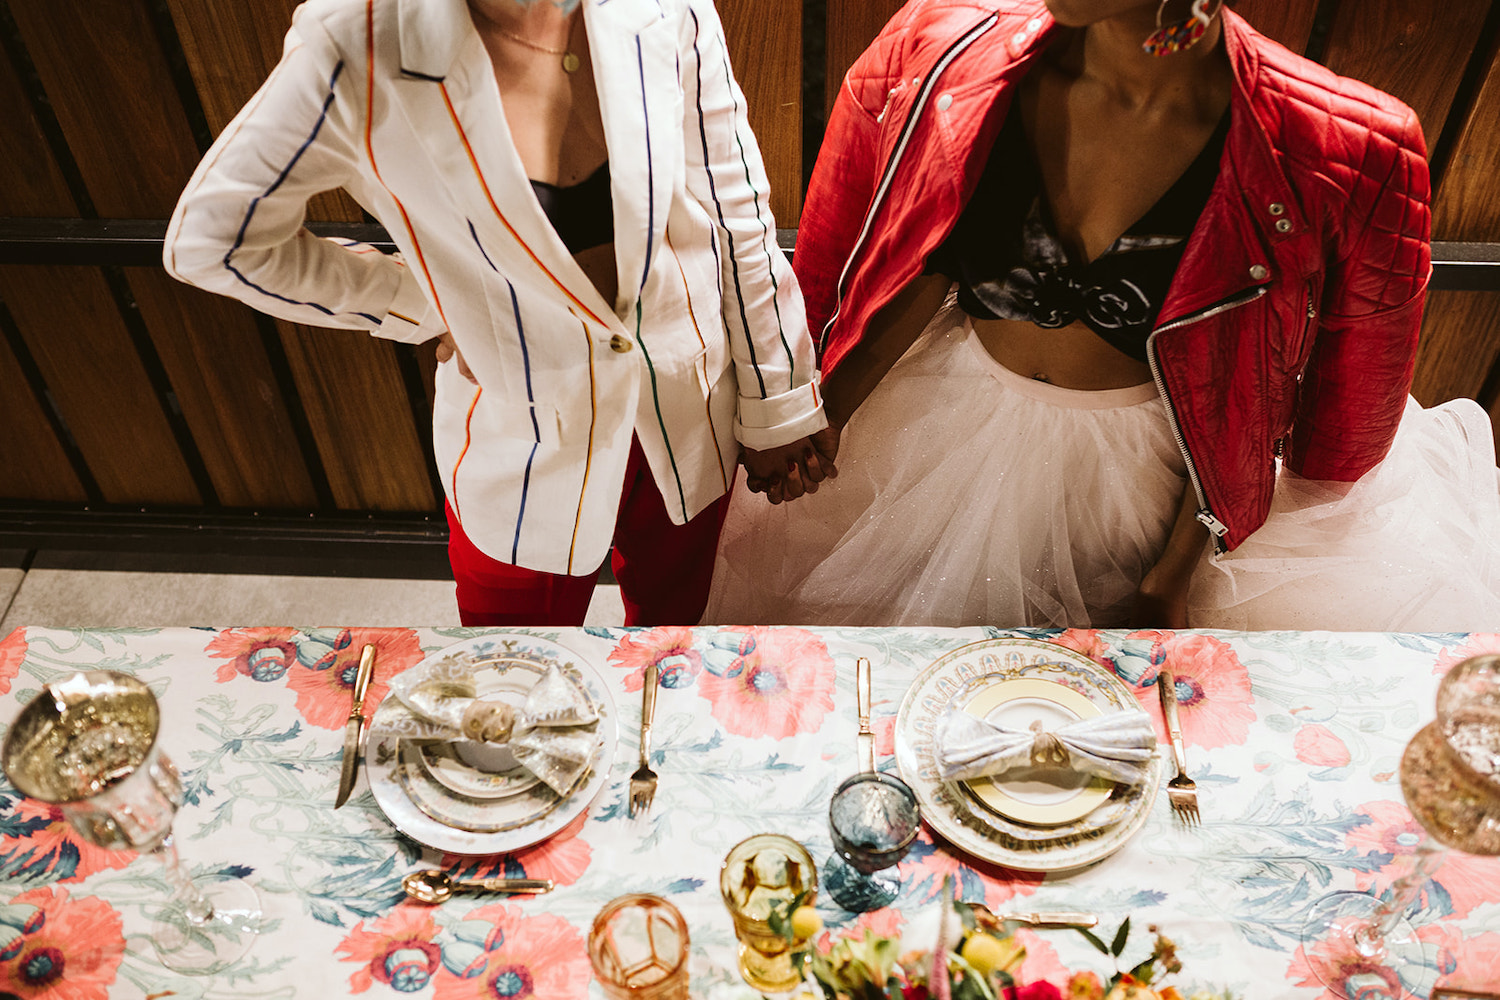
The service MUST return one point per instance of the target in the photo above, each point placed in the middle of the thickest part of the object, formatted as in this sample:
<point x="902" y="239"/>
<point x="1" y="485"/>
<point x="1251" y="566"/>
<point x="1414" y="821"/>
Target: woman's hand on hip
<point x="446" y="349"/>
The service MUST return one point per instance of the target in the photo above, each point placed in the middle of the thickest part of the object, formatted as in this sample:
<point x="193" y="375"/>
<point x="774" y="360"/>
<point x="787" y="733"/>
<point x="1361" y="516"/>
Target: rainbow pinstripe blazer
<point x="705" y="348"/>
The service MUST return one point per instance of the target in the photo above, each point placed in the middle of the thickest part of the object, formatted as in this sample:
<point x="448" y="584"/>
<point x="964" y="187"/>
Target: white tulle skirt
<point x="1413" y="546"/>
<point x="967" y="495"/>
<point x="970" y="495"/>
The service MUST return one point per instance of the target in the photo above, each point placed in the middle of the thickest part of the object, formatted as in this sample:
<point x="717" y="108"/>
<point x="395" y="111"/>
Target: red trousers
<point x="663" y="569"/>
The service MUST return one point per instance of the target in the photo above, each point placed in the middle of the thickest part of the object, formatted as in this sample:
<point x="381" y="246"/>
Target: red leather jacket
<point x="1291" y="324"/>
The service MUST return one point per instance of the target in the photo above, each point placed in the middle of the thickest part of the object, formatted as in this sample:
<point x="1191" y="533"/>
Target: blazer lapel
<point x="447" y="92"/>
<point x="634" y="56"/>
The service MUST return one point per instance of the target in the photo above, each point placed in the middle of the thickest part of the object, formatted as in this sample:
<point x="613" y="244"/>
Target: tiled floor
<point x="64" y="590"/>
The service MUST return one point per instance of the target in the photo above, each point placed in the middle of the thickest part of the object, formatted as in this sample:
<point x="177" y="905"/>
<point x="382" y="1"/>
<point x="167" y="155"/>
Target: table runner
<point x="1294" y="740"/>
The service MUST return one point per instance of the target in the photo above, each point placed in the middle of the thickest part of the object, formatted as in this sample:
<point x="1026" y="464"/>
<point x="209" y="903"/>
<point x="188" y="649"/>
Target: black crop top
<point x="1009" y="264"/>
<point x="582" y="214"/>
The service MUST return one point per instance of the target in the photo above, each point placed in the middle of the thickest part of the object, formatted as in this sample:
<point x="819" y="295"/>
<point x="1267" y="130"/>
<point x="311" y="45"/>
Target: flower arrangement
<point x="980" y="959"/>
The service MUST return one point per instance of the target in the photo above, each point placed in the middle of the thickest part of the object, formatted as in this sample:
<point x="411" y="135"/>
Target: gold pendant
<point x="570" y="63"/>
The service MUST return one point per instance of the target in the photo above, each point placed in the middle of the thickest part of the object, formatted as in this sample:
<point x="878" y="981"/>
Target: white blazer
<point x="705" y="346"/>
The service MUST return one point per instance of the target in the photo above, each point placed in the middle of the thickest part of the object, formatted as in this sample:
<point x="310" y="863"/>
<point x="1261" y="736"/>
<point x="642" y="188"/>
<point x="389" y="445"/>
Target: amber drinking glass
<point x="759" y="874"/>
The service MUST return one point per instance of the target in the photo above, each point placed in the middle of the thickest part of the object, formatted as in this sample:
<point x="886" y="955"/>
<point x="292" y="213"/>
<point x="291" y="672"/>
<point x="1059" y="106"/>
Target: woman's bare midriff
<point x="1072" y="357"/>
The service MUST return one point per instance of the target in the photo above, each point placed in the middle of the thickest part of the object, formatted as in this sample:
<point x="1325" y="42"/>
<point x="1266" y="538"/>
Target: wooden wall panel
<point x="36" y="467"/>
<point x="765" y="49"/>
<point x="72" y="328"/>
<point x="361" y="418"/>
<point x="230" y="49"/>
<point x="1290" y="22"/>
<point x="852" y="25"/>
<point x="112" y="93"/>
<point x="211" y="349"/>
<point x="1401" y="47"/>
<point x="30" y="183"/>
<point x="1461" y="330"/>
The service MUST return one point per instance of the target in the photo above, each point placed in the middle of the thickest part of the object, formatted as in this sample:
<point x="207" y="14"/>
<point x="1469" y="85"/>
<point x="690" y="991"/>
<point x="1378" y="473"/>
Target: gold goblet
<point x="760" y="873"/>
<point x="88" y="744"/>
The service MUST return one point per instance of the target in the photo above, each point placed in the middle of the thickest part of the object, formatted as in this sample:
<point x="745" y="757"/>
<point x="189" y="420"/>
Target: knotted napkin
<point x="552" y="735"/>
<point x="1116" y="747"/>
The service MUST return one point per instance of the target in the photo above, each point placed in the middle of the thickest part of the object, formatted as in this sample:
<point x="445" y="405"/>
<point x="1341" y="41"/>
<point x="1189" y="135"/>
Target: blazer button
<point x="619" y="344"/>
<point x="945" y="102"/>
<point x="1283" y="225"/>
<point x="1259" y="272"/>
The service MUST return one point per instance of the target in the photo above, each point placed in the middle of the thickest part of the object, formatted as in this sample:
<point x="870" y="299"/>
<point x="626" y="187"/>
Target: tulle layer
<point x="1414" y="546"/>
<point x="967" y="495"/>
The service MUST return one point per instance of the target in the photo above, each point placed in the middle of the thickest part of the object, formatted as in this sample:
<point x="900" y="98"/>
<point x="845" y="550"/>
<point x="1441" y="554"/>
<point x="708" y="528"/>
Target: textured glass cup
<point x="758" y="873"/>
<point x="87" y="744"/>
<point x="638" y="947"/>
<point x="1357" y="943"/>
<point x="873" y="818"/>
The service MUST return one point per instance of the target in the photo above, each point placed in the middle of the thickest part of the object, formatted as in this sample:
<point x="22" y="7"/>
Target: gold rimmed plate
<point x="1043" y="796"/>
<point x="430" y="811"/>
<point x="954" y="810"/>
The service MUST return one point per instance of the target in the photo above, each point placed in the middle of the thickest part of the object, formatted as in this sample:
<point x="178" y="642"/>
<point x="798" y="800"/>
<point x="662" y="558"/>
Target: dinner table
<point x="1293" y="740"/>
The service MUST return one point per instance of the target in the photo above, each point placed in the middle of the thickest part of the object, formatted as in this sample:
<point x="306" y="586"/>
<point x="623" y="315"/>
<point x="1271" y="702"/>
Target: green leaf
<point x="1143" y="971"/>
<point x="1094" y="940"/>
<point x="1120" y="937"/>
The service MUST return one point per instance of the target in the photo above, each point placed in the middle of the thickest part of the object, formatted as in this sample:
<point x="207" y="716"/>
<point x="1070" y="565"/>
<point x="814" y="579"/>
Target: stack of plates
<point x="474" y="798"/>
<point x="1037" y="819"/>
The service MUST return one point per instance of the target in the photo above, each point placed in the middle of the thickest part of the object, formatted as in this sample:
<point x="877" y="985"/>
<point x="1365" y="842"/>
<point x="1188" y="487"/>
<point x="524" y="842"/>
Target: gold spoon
<point x="428" y="885"/>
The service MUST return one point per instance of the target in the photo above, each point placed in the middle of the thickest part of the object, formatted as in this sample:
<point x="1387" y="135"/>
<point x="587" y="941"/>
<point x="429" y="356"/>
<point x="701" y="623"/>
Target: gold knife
<point x="865" y="741"/>
<point x="354" y="725"/>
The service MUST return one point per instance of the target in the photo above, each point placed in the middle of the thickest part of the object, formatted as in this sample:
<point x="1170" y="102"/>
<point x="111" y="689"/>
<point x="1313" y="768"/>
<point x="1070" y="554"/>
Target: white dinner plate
<point x="955" y="813"/>
<point x="401" y="775"/>
<point x="1044" y="796"/>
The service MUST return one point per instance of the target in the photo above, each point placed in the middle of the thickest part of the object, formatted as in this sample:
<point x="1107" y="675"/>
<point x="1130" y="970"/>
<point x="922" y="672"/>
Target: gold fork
<point x="1181" y="792"/>
<point x="643" y="781"/>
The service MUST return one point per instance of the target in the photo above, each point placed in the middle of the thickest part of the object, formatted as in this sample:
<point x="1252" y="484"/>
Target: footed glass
<point x="758" y="874"/>
<point x="88" y="744"/>
<point x="874" y="818"/>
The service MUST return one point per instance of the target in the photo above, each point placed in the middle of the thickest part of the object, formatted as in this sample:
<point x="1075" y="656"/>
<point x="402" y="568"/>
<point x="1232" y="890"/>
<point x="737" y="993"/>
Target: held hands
<point x="446" y="349"/>
<point x="787" y="472"/>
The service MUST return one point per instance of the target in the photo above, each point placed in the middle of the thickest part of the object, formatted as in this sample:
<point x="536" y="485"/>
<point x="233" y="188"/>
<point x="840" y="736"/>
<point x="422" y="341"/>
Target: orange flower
<point x="69" y="950"/>
<point x="12" y="652"/>
<point x="397" y="950"/>
<point x="522" y="958"/>
<point x="669" y="647"/>
<point x="779" y="683"/>
<point x="1085" y="986"/>
<point x="50" y="845"/>
<point x="324" y="694"/>
<point x="562" y="857"/>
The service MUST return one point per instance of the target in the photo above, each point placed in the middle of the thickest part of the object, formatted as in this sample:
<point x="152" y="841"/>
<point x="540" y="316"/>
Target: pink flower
<point x="262" y="654"/>
<point x="1041" y="963"/>
<point x="12" y="652"/>
<point x="54" y="846"/>
<point x="1213" y="690"/>
<point x="926" y="861"/>
<point x="1317" y="745"/>
<point x="1466" y="878"/>
<point x="1085" y="986"/>
<point x="397" y="950"/>
<point x="884" y="922"/>
<point x="669" y="647"/>
<point x="1468" y="964"/>
<point x="324" y="695"/>
<point x="69" y="950"/>
<point x="1477" y="644"/>
<point x="562" y="857"/>
<point x="1083" y="640"/>
<point x="1328" y="961"/>
<point x="779" y="683"/>
<point x="522" y="957"/>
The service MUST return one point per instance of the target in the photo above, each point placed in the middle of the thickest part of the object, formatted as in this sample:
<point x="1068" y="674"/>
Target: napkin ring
<point x="1046" y="749"/>
<point x="488" y="721"/>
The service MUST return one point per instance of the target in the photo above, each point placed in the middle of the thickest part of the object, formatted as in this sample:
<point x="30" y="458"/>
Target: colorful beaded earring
<point x="1178" y="35"/>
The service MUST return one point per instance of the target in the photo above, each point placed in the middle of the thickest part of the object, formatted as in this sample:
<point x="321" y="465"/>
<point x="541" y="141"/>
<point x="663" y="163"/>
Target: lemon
<point x="805" y="922"/>
<point x="984" y="952"/>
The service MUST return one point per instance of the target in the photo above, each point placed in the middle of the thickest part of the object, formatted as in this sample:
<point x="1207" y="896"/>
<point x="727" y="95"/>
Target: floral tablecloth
<point x="1293" y="738"/>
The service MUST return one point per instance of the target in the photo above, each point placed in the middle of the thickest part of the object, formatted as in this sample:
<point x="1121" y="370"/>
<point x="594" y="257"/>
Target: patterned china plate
<point x="952" y="810"/>
<point x="432" y="813"/>
<point x="482" y="770"/>
<point x="1042" y="796"/>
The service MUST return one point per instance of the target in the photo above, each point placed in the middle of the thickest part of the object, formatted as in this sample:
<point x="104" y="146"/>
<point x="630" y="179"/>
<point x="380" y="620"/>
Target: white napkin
<point x="1116" y="747"/>
<point x="552" y="735"/>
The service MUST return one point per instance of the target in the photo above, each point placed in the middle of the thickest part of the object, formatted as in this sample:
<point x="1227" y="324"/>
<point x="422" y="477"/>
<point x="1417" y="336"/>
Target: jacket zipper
<point x="1204" y="514"/>
<point x="903" y="137"/>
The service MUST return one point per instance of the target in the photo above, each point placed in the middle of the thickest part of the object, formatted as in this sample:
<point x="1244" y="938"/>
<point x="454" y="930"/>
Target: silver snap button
<point x="1283" y="225"/>
<point x="1276" y="208"/>
<point x="1019" y="38"/>
<point x="1034" y="23"/>
<point x="619" y="344"/>
<point x="1259" y="272"/>
<point x="945" y="102"/>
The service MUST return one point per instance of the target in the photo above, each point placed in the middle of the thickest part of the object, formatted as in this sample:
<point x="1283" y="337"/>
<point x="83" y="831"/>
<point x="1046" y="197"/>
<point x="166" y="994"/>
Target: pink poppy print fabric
<point x="1294" y="740"/>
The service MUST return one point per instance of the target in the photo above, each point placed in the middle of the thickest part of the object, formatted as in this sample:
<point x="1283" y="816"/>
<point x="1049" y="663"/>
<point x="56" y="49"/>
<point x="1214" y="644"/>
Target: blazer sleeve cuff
<point x="778" y="420"/>
<point x="410" y="319"/>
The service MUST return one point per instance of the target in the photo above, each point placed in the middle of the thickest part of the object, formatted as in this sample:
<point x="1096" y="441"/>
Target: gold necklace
<point x="570" y="60"/>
